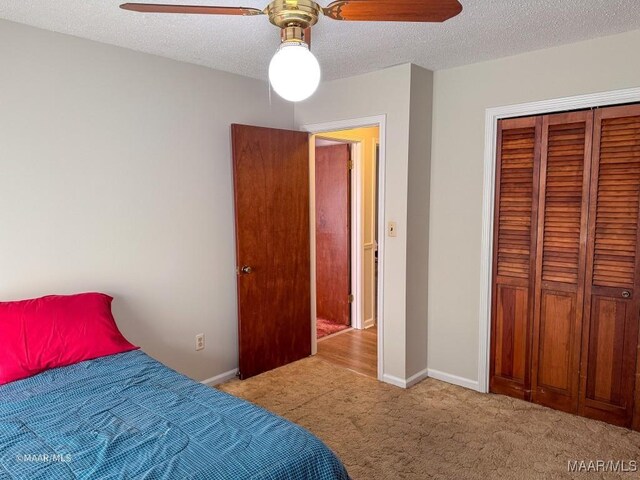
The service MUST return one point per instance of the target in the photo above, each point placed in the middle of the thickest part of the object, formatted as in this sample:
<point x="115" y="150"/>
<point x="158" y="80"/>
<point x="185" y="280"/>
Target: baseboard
<point x="390" y="379"/>
<point x="396" y="381"/>
<point x="454" y="379"/>
<point x="369" y="323"/>
<point x="417" y="378"/>
<point x="223" y="377"/>
<point x="405" y="382"/>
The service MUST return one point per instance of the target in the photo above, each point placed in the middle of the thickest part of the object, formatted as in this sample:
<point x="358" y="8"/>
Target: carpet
<point x="434" y="430"/>
<point x="327" y="327"/>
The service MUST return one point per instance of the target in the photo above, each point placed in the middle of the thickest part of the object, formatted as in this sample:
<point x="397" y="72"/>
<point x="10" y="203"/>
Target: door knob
<point x="626" y="294"/>
<point x="246" y="270"/>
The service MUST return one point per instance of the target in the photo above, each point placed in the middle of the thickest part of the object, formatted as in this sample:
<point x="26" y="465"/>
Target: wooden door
<point x="612" y="294"/>
<point x="271" y="179"/>
<point x="333" y="239"/>
<point x="515" y="233"/>
<point x="565" y="166"/>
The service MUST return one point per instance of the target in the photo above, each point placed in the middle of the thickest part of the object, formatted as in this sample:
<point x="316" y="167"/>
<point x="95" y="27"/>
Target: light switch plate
<point x="392" y="229"/>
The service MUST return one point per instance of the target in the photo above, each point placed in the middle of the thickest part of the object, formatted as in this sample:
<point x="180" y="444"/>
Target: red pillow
<point x="55" y="331"/>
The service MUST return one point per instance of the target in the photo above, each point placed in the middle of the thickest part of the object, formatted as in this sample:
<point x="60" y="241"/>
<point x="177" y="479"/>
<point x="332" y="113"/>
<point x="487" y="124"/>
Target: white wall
<point x="461" y="96"/>
<point x="419" y="184"/>
<point x="115" y="176"/>
<point x="386" y="92"/>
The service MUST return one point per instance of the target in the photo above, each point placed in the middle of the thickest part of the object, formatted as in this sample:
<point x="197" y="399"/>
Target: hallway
<point x="356" y="350"/>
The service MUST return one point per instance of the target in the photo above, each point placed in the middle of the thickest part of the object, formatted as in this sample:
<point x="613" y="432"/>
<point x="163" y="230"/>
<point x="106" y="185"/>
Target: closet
<point x="566" y="271"/>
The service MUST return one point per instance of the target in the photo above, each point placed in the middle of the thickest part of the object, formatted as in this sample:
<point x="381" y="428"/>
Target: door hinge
<point x="351" y="298"/>
<point x="350" y="164"/>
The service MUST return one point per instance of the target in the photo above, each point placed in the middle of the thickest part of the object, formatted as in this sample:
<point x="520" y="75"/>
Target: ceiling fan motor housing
<point x="293" y="13"/>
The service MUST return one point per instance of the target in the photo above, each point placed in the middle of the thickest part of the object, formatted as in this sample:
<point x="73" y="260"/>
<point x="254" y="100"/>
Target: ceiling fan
<point x="294" y="71"/>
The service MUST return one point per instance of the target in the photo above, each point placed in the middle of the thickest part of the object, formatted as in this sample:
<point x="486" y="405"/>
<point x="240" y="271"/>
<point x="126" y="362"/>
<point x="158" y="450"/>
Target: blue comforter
<point x="127" y="416"/>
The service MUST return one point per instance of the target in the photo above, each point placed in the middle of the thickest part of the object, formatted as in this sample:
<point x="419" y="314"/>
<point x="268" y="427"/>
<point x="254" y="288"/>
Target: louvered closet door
<point x="560" y="266"/>
<point x="514" y="259"/>
<point x="610" y="336"/>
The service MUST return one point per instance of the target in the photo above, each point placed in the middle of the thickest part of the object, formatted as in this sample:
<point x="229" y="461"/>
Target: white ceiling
<point x="486" y="29"/>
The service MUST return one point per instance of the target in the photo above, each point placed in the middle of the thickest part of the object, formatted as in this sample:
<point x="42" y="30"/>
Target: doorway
<point x="345" y="201"/>
<point x="333" y="236"/>
<point x="274" y="190"/>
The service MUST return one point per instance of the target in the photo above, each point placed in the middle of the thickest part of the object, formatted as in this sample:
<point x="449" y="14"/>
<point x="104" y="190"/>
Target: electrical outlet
<point x="392" y="229"/>
<point x="200" y="342"/>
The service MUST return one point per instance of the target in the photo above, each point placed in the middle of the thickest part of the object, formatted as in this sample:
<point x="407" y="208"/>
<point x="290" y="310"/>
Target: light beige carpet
<point x="434" y="430"/>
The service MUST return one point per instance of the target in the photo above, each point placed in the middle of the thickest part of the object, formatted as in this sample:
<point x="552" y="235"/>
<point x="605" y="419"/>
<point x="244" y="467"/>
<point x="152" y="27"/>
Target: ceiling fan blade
<point x="191" y="9"/>
<point x="393" y="10"/>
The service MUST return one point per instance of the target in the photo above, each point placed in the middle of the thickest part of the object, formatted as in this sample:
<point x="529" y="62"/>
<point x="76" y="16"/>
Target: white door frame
<point x="318" y="129"/>
<point x="492" y="116"/>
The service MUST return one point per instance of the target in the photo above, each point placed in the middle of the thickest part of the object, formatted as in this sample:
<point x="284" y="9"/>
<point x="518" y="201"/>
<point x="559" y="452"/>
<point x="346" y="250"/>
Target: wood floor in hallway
<point x="356" y="350"/>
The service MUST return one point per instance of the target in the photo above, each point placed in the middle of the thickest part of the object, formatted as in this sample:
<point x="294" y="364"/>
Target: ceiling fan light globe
<point x="294" y="72"/>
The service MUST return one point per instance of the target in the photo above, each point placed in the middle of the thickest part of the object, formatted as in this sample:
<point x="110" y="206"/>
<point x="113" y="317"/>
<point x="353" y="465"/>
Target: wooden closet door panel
<point x="610" y="336"/>
<point x="516" y="207"/>
<point x="560" y="259"/>
<point x="511" y="332"/>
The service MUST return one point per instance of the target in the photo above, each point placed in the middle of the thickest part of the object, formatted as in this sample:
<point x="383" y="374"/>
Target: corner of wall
<point x="419" y="178"/>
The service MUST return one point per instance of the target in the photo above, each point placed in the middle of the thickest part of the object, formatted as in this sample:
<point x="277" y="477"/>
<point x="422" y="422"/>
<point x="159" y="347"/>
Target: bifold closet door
<point x="612" y="294"/>
<point x="560" y="259"/>
<point x="517" y="177"/>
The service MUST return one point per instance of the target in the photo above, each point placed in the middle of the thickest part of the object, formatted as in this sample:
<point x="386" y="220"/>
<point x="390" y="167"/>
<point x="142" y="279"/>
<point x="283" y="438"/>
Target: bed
<point x="127" y="416"/>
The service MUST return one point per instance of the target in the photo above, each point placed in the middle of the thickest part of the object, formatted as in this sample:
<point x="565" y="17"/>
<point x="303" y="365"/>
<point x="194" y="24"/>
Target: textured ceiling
<point x="486" y="29"/>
